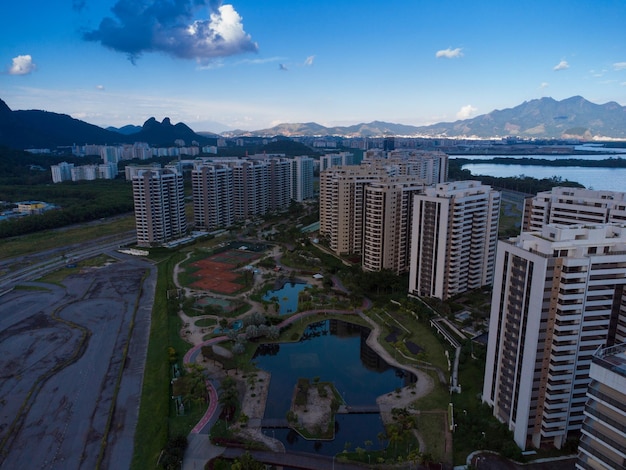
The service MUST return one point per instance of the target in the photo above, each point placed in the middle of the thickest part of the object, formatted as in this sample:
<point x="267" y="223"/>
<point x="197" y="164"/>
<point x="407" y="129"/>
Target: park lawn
<point x="154" y="425"/>
<point x="431" y="427"/>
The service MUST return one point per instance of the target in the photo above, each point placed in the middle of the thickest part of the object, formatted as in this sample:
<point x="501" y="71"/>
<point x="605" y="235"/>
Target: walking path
<point x="200" y="449"/>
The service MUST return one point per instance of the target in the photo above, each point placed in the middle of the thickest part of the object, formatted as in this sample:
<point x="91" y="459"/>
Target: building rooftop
<point x="612" y="358"/>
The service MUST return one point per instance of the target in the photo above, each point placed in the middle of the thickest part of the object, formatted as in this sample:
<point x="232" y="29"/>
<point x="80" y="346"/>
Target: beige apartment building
<point x="454" y="235"/>
<point x="558" y="297"/>
<point x="388" y="205"/>
<point x="159" y="201"/>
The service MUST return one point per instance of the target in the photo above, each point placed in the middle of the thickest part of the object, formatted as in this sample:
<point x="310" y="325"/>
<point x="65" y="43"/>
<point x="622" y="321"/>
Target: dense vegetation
<point x="77" y="202"/>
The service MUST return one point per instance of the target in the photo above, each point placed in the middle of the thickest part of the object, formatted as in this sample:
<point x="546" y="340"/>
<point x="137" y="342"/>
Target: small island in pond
<point x="313" y="408"/>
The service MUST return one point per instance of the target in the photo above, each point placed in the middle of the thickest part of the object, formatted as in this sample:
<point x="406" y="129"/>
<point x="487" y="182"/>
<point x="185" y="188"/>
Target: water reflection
<point x="335" y="351"/>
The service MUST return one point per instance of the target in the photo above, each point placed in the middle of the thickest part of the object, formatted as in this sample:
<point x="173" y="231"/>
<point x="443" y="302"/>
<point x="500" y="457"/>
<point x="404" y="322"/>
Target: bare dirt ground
<point x="63" y="357"/>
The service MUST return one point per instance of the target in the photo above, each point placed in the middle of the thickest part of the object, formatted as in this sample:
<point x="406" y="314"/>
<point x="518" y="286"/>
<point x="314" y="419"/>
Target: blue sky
<point x="252" y="64"/>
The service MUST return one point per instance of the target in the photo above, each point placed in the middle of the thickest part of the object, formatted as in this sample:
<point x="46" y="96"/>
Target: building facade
<point x="213" y="195"/>
<point x="388" y="205"/>
<point x="573" y="206"/>
<point x="302" y="178"/>
<point x="159" y="201"/>
<point x="603" y="440"/>
<point x="558" y="297"/>
<point x="454" y="236"/>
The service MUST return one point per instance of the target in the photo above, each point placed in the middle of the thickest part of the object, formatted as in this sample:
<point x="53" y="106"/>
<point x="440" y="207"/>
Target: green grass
<point x="431" y="427"/>
<point x="49" y="239"/>
<point x="153" y="426"/>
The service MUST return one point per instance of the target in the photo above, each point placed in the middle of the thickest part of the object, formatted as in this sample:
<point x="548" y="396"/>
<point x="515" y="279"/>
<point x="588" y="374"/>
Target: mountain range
<point x="543" y="118"/>
<point x="43" y="129"/>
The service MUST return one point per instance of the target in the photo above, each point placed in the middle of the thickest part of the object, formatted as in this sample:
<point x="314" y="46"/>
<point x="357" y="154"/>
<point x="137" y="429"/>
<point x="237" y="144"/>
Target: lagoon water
<point x="334" y="351"/>
<point x="613" y="179"/>
<point x="286" y="296"/>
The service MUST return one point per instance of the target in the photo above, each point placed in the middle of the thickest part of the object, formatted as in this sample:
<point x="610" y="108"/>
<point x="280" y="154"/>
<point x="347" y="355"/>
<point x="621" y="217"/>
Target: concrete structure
<point x="558" y="297"/>
<point x="572" y="206"/>
<point x="454" y="235"/>
<point x="279" y="183"/>
<point x="251" y="188"/>
<point x="159" y="200"/>
<point x="213" y="195"/>
<point x="336" y="159"/>
<point x="61" y="172"/>
<point x="301" y="178"/>
<point x="603" y="441"/>
<point x="342" y="192"/>
<point x="388" y="205"/>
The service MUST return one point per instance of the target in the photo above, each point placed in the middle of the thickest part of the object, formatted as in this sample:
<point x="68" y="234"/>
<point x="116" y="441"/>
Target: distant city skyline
<point x="225" y="65"/>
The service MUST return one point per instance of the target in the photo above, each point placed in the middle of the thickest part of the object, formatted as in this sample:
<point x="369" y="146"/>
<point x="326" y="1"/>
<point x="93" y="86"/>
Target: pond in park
<point x="335" y="351"/>
<point x="286" y="296"/>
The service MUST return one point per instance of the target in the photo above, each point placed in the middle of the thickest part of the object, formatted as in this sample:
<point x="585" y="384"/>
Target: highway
<point x="36" y="265"/>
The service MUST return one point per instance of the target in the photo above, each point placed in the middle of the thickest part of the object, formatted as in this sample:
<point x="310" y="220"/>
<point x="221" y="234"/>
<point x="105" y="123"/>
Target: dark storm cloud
<point x="169" y="26"/>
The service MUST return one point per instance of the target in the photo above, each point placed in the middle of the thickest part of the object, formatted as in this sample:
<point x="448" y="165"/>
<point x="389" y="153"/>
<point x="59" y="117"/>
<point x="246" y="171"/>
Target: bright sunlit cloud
<point x="139" y="27"/>
<point x="619" y="66"/>
<point x="563" y="65"/>
<point x="449" y="53"/>
<point x="466" y="112"/>
<point x="22" y="65"/>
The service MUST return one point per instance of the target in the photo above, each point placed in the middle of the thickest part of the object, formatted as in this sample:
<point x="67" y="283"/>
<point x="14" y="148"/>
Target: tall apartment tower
<point x="213" y="195"/>
<point x="572" y="206"/>
<point x="558" y="297"/>
<point x="342" y="191"/>
<point x="388" y="205"/>
<point x="454" y="235"/>
<point x="280" y="183"/>
<point x="61" y="172"/>
<point x="159" y="200"/>
<point x="603" y="440"/>
<point x="251" y="188"/>
<point x="302" y="178"/>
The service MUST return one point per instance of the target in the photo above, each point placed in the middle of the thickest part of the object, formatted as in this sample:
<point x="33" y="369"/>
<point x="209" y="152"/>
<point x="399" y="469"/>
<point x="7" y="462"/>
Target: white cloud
<point x="309" y="60"/>
<point x="100" y="87"/>
<point x="22" y="65"/>
<point x="139" y="27"/>
<point x="466" y="112"/>
<point x="619" y="66"/>
<point x="544" y="85"/>
<point x="449" y="53"/>
<point x="563" y="65"/>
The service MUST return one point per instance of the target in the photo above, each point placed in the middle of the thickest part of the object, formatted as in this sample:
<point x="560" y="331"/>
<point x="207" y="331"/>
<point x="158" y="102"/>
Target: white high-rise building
<point x="159" y="200"/>
<point x="61" y="172"/>
<point x="301" y="178"/>
<point x="453" y="247"/>
<point x="558" y="296"/>
<point x="336" y="159"/>
<point x="572" y="206"/>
